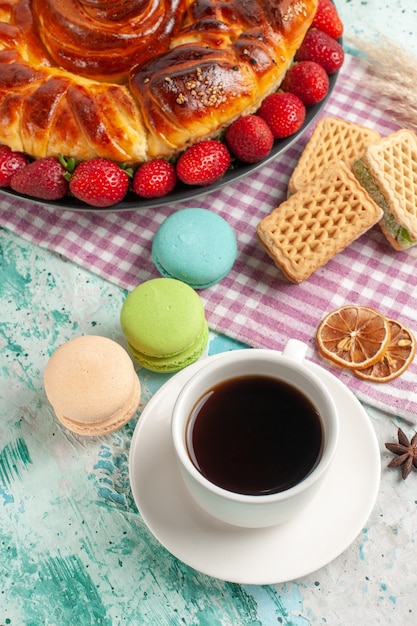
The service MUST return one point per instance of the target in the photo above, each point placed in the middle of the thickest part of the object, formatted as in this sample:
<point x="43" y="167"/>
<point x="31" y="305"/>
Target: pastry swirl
<point x="132" y="80"/>
<point x="104" y="40"/>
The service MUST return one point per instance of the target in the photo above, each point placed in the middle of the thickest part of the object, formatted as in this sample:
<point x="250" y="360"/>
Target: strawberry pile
<point x="249" y="139"/>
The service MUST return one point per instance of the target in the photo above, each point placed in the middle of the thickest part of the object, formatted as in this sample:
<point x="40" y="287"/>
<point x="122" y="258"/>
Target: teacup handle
<point x="295" y="350"/>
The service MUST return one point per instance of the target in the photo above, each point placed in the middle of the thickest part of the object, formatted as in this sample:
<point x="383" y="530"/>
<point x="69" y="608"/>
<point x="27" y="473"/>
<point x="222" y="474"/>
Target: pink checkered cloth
<point x="254" y="303"/>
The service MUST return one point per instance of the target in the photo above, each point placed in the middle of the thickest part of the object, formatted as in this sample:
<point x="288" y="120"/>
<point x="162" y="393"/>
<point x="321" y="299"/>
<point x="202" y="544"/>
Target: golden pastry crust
<point x="138" y="79"/>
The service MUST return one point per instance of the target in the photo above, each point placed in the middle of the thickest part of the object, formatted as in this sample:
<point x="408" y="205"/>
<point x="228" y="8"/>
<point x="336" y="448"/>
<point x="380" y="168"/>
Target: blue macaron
<point x="196" y="246"/>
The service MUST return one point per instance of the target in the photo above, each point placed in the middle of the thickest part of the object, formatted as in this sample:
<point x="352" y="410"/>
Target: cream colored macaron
<point x="92" y="385"/>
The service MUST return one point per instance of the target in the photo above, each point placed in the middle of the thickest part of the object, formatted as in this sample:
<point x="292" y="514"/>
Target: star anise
<point x="407" y="453"/>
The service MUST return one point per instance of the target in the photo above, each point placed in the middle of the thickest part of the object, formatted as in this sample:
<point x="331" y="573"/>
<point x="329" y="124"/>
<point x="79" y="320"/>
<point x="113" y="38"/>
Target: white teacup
<point x="263" y="505"/>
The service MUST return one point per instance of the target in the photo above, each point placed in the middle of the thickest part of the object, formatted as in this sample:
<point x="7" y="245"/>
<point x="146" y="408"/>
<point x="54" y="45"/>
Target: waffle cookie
<point x="309" y="228"/>
<point x="388" y="170"/>
<point x="333" y="140"/>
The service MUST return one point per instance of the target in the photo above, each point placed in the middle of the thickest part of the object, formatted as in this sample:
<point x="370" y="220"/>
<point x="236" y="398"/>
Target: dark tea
<point x="255" y="435"/>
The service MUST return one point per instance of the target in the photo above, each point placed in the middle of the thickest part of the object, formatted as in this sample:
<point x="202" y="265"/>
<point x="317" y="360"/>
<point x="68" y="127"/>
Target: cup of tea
<point x="254" y="432"/>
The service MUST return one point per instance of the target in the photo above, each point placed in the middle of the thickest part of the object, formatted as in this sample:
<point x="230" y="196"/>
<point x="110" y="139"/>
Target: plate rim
<point x="184" y="193"/>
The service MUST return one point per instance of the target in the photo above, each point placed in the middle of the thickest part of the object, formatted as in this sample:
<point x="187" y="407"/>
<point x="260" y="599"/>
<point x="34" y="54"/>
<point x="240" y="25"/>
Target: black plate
<point x="183" y="192"/>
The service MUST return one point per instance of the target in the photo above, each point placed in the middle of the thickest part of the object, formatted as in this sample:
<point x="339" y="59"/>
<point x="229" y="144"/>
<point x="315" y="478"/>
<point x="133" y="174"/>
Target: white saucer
<point x="255" y="556"/>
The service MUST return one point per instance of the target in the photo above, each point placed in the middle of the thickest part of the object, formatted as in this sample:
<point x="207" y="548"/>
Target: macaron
<point x="92" y="385"/>
<point x="196" y="246"/>
<point x="163" y="320"/>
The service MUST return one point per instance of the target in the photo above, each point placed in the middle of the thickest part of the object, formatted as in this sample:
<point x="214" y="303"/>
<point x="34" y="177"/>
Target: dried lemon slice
<point x="398" y="356"/>
<point x="353" y="336"/>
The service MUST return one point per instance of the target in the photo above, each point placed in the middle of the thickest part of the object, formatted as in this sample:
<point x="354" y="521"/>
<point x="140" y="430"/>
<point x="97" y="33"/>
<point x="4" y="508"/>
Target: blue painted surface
<point x="73" y="548"/>
<point x="367" y="19"/>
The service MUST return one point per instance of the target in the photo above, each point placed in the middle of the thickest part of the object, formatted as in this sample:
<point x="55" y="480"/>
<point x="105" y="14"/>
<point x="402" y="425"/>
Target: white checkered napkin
<point x="254" y="303"/>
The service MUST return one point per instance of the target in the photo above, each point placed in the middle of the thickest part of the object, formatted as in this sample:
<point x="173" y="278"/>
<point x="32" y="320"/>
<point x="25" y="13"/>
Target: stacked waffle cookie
<point x="330" y="205"/>
<point x="388" y="170"/>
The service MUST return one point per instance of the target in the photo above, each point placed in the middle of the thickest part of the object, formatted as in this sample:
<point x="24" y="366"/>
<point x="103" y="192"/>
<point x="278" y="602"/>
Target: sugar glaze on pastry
<point x="136" y="79"/>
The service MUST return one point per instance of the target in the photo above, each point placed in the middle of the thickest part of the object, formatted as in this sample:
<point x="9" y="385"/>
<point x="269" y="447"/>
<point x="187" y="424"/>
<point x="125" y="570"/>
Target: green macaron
<point x="164" y="324"/>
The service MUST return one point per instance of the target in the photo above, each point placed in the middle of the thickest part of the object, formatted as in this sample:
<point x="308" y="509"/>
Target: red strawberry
<point x="154" y="179"/>
<point x="327" y="19"/>
<point x="203" y="163"/>
<point x="10" y="163"/>
<point x="319" y="47"/>
<point x="308" y="81"/>
<point x="43" y="178"/>
<point x="283" y="112"/>
<point x="99" y="182"/>
<point x="250" y="138"/>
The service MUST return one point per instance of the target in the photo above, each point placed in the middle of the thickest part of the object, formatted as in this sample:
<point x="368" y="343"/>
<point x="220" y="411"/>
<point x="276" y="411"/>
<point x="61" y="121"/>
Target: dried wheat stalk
<point x="391" y="72"/>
